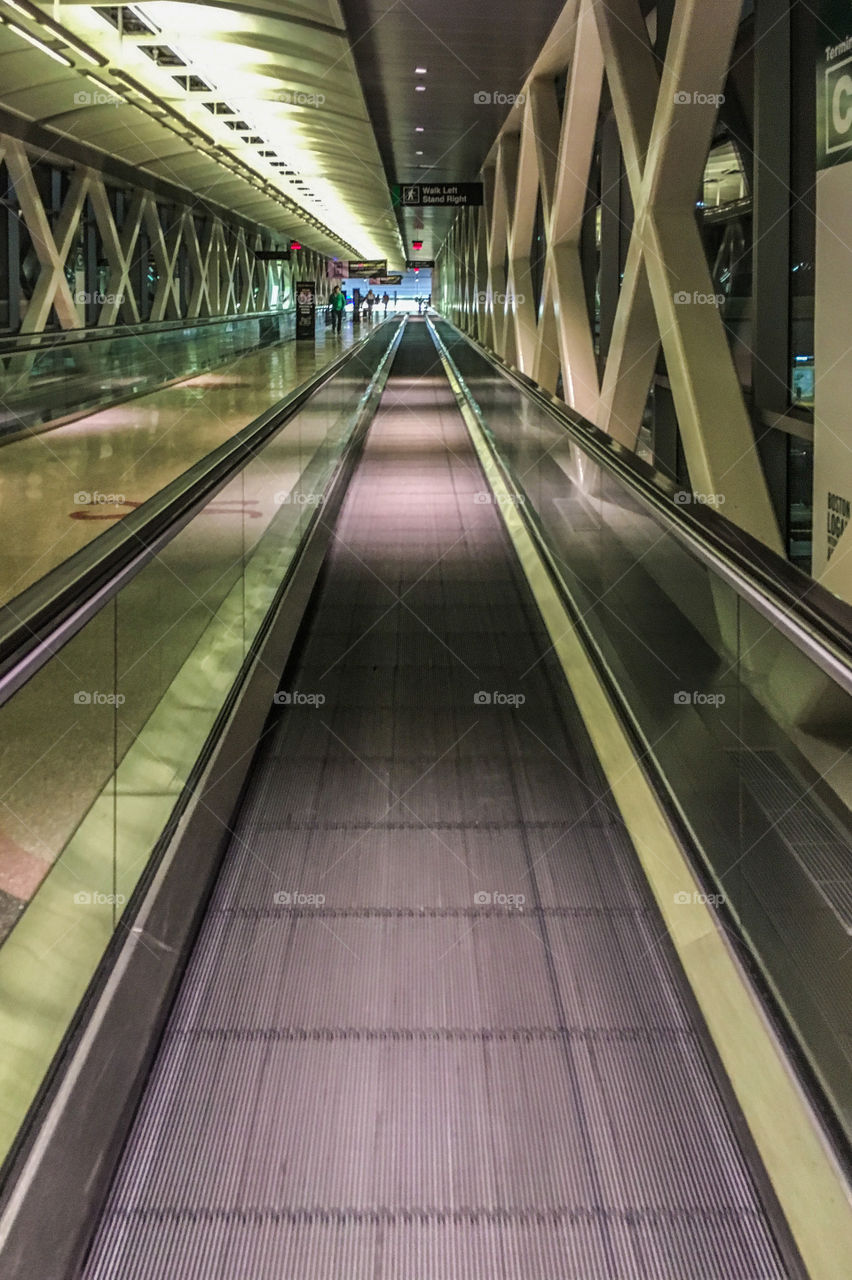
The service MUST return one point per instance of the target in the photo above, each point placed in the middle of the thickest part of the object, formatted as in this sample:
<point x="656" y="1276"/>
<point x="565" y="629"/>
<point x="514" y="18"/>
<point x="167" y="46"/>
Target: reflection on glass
<point x="725" y="179"/>
<point x="107" y="734"/>
<point x="750" y="735"/>
<point x="46" y="377"/>
<point x="802" y="381"/>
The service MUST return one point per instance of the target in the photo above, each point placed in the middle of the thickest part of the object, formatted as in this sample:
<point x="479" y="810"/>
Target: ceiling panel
<point x="476" y="57"/>
<point x="194" y="91"/>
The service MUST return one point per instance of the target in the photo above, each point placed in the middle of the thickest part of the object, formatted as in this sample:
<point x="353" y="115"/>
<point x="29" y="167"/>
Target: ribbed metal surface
<point x="432" y="1026"/>
<point x="797" y="815"/>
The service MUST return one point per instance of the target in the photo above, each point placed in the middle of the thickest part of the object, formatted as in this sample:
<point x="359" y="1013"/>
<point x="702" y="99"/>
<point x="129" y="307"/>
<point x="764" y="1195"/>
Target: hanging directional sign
<point x="363" y="270"/>
<point x="419" y="262"/>
<point x="454" y="194"/>
<point x="272" y="255"/>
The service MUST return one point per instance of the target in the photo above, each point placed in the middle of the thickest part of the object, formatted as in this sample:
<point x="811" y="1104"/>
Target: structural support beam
<point x="212" y="275"/>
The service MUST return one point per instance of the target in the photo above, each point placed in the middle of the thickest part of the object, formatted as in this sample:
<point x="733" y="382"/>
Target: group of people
<point x="338" y="303"/>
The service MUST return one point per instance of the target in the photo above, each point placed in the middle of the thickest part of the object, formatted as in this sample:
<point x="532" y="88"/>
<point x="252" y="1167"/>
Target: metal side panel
<point x="432" y="1027"/>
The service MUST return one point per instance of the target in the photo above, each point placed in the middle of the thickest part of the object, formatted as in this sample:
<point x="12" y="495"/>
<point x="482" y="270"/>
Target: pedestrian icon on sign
<point x="410" y="195"/>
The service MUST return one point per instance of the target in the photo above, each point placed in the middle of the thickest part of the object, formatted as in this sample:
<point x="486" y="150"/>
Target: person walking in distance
<point x="338" y="303"/>
<point x="385" y="301"/>
<point x="370" y="301"/>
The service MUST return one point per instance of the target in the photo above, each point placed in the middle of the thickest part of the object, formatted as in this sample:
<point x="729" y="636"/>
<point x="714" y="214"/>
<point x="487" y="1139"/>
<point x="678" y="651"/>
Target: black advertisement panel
<point x="419" y="262"/>
<point x="363" y="270"/>
<point x="272" y="255"/>
<point x="306" y="309"/>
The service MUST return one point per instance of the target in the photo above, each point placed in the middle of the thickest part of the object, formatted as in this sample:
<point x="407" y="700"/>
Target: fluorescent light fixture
<point x="418" y="128"/>
<point x="420" y="71"/>
<point x="80" y="51"/>
<point x="107" y="88"/>
<point x="420" y="88"/>
<point x="39" y="44"/>
<point x="418" y="153"/>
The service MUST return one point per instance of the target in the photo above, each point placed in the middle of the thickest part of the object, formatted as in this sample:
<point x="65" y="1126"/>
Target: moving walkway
<point x="413" y="977"/>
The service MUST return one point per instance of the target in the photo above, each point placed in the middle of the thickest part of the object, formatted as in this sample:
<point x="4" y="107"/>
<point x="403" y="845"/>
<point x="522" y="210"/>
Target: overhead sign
<point x="272" y="255"/>
<point x="450" y="194"/>
<point x="834" y="84"/>
<point x="419" y="262"/>
<point x="385" y="279"/>
<point x="363" y="270"/>
<point x="306" y="309"/>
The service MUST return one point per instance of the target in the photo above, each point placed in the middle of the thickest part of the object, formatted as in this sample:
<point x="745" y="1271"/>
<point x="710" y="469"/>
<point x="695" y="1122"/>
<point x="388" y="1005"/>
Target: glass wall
<point x="45" y="378"/>
<point x="749" y="734"/>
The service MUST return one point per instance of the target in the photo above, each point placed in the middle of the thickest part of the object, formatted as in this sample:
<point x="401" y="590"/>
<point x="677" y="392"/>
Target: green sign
<point x="834" y="83"/>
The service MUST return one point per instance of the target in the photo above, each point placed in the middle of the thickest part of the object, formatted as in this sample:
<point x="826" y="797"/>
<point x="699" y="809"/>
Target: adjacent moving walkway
<point x="434" y="1021"/>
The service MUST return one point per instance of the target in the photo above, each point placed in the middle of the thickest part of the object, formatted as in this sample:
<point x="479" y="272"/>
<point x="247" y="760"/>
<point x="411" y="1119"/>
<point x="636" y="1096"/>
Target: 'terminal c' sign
<point x="834" y="83"/>
<point x="840" y="112"/>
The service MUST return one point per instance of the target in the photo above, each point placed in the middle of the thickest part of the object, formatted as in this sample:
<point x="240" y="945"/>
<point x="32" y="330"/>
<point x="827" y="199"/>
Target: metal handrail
<point x="13" y="343"/>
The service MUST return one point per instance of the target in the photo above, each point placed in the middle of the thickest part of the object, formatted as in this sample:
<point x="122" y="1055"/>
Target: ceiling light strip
<point x="39" y="44"/>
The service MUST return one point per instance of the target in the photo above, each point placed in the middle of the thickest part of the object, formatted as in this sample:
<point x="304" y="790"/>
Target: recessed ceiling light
<point x="418" y="128"/>
<point x="420" y="88"/>
<point x="418" y="153"/>
<point x="420" y="71"/>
